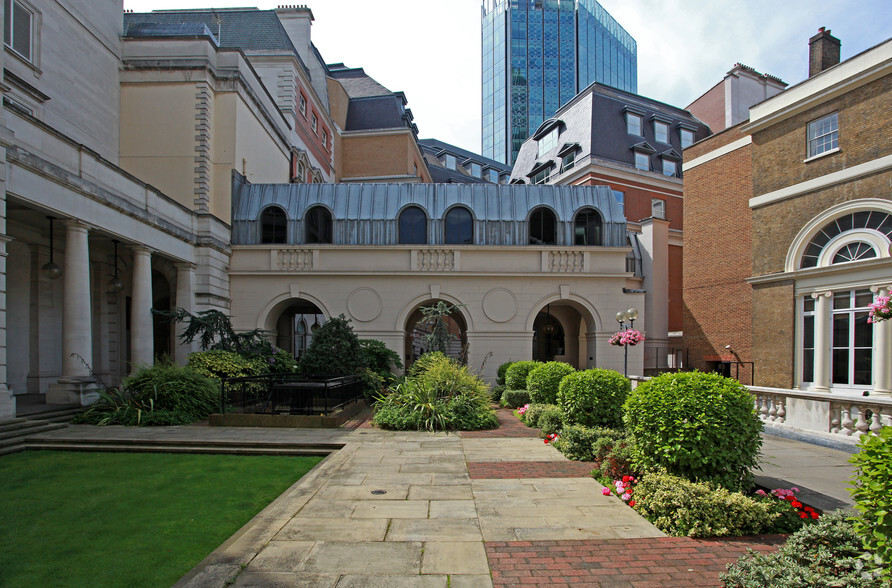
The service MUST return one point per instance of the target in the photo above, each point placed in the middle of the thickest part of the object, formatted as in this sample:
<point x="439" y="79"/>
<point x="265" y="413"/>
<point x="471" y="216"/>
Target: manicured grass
<point x="127" y="519"/>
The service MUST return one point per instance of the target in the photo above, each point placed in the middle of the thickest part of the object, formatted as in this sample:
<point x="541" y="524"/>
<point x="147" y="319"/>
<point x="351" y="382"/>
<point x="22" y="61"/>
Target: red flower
<point x="791" y="498"/>
<point x="631" y="503"/>
<point x="626" y="479"/>
<point x="796" y="504"/>
<point x="808" y="509"/>
<point x="802" y="515"/>
<point x="814" y="515"/>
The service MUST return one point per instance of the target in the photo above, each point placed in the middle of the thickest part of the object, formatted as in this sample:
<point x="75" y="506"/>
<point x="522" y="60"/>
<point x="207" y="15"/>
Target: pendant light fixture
<point x="51" y="269"/>
<point x="548" y="327"/>
<point x="115" y="284"/>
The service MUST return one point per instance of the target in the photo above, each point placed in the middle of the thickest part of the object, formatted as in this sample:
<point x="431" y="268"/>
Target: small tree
<point x="334" y="350"/>
<point x="213" y="329"/>
<point x="435" y="318"/>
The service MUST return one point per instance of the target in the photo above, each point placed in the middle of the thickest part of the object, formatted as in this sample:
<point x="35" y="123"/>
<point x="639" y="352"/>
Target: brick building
<point x="819" y="199"/>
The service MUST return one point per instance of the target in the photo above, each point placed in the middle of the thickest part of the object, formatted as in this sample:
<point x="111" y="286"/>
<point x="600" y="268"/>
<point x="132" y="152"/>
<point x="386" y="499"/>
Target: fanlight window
<point x="413" y="226"/>
<point x="317" y="225"/>
<point x="273" y="225"/>
<point x="459" y="227"/>
<point x="542" y="227"/>
<point x="587" y="227"/>
<point x="875" y="220"/>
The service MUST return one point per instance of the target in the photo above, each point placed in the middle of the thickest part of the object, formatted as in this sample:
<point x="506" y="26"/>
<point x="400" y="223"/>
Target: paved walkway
<point x="489" y="508"/>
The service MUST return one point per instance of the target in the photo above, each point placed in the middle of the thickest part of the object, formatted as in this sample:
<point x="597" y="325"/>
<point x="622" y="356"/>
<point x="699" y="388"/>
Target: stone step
<point x="57" y="416"/>
<point x="13" y="425"/>
<point x="135" y="447"/>
<point x="9" y="436"/>
<point x="210" y="444"/>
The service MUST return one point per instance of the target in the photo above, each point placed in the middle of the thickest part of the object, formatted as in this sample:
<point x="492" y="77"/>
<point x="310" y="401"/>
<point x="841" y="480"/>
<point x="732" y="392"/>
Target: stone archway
<point x="564" y="330"/>
<point x="416" y="332"/>
<point x="297" y="321"/>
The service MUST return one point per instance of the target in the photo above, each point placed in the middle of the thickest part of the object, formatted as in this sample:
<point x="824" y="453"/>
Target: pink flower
<point x="605" y="491"/>
<point x="626" y="496"/>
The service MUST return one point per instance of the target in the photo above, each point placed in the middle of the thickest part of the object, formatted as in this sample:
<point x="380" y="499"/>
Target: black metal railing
<point x="287" y="394"/>
<point x="658" y="360"/>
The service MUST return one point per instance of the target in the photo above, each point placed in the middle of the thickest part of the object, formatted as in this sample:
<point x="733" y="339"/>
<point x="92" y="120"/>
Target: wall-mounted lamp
<point x="51" y="269"/>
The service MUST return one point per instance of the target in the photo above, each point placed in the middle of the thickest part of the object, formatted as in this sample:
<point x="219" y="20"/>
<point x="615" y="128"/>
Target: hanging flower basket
<point x="629" y="337"/>
<point x="880" y="309"/>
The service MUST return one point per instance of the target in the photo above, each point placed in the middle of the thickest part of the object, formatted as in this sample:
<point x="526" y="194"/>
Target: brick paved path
<point x="640" y="562"/>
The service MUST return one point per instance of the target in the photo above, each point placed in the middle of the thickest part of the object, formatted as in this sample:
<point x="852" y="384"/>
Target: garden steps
<point x="192" y="446"/>
<point x="14" y="433"/>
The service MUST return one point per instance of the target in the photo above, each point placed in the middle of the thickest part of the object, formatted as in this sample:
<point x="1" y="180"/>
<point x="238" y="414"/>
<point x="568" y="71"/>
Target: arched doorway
<point x="296" y="325"/>
<point x="548" y="337"/>
<point x="417" y="332"/>
<point x="559" y="334"/>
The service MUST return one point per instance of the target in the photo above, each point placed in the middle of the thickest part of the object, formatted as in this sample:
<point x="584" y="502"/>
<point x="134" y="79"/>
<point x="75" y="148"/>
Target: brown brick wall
<point x="710" y="108"/>
<point x="717" y="258"/>
<point x="372" y="155"/>
<point x="773" y="333"/>
<point x="865" y="133"/>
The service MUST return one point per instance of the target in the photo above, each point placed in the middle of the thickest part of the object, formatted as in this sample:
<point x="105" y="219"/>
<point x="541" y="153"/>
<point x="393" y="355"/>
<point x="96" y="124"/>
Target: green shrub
<point x="268" y="358"/>
<point x="550" y="421"/>
<point x="444" y="395"/>
<point x="680" y="508"/>
<point x="577" y="442"/>
<point x="420" y="365"/>
<point x="827" y="552"/>
<point x="614" y="457"/>
<point x="334" y="350"/>
<point x="872" y="491"/>
<point x="517" y="372"/>
<point x="515" y="398"/>
<point x="544" y="380"/>
<point x="219" y="364"/>
<point x="495" y="393"/>
<point x="380" y="359"/>
<point x="500" y="374"/>
<point x="593" y="398"/>
<point x="695" y="425"/>
<point x="535" y="411"/>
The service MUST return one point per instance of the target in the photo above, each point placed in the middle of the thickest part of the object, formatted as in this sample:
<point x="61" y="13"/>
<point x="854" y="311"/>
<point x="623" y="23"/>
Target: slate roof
<point x="444" y="175"/>
<point x="356" y="82"/>
<point x="376" y="112"/>
<point x="244" y="28"/>
<point x="435" y="146"/>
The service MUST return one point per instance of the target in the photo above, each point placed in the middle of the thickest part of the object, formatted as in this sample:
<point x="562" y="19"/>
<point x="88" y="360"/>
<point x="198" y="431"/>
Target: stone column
<point x="77" y="318"/>
<point x="185" y="300"/>
<point x="823" y="341"/>
<point x="141" y="333"/>
<point x="882" y="351"/>
<point x="655" y="265"/>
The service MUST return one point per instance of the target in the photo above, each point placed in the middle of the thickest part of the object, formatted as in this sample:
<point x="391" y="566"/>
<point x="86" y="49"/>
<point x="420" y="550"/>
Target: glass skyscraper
<point x="537" y="55"/>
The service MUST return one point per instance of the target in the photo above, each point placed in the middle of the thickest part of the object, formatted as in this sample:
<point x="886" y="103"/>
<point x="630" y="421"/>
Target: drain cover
<point x="379" y="491"/>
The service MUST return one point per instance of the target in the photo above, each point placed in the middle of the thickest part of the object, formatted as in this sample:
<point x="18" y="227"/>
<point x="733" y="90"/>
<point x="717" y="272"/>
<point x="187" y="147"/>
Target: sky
<point x="430" y="49"/>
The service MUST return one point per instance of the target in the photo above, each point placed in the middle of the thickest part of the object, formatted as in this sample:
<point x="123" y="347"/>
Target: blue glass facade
<point x="537" y="55"/>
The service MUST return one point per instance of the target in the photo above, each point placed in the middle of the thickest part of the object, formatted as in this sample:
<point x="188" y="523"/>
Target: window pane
<point x="841" y="300"/>
<point x="642" y="161"/>
<point x="413" y="226"/>
<point x="840" y="366"/>
<point x="587" y="228"/>
<point x="273" y="223"/>
<point x="863" y="367"/>
<point x="808" y="304"/>
<point x="863" y="298"/>
<point x="661" y="132"/>
<point x="863" y="330"/>
<point x="317" y="225"/>
<point x="841" y="330"/>
<point x="808" y="365"/>
<point x="459" y="227"/>
<point x="542" y="227"/>
<point x="21" y="34"/>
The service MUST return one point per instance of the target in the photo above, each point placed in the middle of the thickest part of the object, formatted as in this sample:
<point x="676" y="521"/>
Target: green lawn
<point x="127" y="519"/>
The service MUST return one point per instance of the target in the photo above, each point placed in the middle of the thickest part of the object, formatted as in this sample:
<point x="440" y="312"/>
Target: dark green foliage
<point x="213" y="329"/>
<point x="614" y="456"/>
<point x="501" y="372"/>
<point x="680" y="508"/>
<point x="550" y="421"/>
<point x="495" y="393"/>
<point x="380" y="358"/>
<point x="544" y="380"/>
<point x="270" y="359"/>
<point x="593" y="398"/>
<point x="516" y="374"/>
<point x="695" y="425"/>
<point x="515" y="398"/>
<point x="334" y="350"/>
<point x="163" y="394"/>
<point x="420" y="365"/>
<point x="828" y="552"/>
<point x="439" y="337"/>
<point x="442" y="396"/>
<point x="872" y="491"/>
<point x="535" y="411"/>
<point x="577" y="442"/>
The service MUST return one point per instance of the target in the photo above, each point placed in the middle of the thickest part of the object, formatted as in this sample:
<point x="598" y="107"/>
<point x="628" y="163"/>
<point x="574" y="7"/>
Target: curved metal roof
<point x="366" y="213"/>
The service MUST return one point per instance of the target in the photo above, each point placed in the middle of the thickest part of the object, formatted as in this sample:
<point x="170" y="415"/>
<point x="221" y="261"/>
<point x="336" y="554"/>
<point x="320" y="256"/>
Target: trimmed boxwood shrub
<point x="516" y="375"/>
<point x="680" y="508"/>
<point x="550" y="421"/>
<point x="593" y="398"/>
<point x="827" y="552"/>
<point x="495" y="393"/>
<point x="535" y="411"/>
<point x="577" y="442"/>
<point x="500" y="374"/>
<point x="872" y="492"/>
<point x="695" y="425"/>
<point x="515" y="398"/>
<point x="544" y="380"/>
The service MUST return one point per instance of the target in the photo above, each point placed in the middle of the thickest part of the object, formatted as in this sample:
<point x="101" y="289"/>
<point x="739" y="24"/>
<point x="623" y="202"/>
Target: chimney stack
<point x="823" y="52"/>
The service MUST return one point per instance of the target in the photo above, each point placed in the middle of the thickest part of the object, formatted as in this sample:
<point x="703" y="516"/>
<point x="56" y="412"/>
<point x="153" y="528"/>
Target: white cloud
<point x="430" y="49"/>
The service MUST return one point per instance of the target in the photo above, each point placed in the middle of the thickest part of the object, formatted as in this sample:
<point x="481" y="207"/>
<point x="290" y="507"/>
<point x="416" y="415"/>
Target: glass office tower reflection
<point x="537" y="55"/>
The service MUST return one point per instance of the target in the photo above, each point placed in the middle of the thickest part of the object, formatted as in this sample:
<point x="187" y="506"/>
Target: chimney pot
<point x="823" y="52"/>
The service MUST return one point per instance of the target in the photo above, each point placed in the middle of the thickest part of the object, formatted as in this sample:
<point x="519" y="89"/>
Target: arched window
<point x="542" y="227"/>
<point x="864" y="222"/>
<point x="587" y="227"/>
<point x="413" y="226"/>
<point x="459" y="227"/>
<point x="273" y="225"/>
<point x="317" y="225"/>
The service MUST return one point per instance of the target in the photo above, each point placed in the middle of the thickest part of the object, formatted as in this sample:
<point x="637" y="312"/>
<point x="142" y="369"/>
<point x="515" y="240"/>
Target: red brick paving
<point x="634" y="563"/>
<point x="509" y="426"/>
<point x="502" y="470"/>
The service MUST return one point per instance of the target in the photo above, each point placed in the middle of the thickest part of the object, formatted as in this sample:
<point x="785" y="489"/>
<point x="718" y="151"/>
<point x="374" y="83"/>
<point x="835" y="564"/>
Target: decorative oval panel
<point x="364" y="304"/>
<point x="499" y="305"/>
